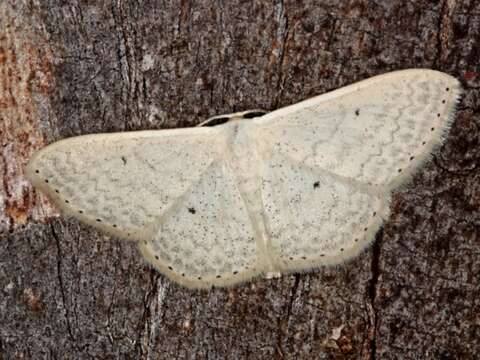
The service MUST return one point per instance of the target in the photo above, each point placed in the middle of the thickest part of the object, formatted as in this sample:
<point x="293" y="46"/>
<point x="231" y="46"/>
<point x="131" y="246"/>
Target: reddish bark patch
<point x="26" y="81"/>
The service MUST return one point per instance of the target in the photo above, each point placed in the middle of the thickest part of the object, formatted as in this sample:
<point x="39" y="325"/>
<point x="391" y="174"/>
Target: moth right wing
<point x="376" y="131"/>
<point x="315" y="218"/>
<point x="330" y="162"/>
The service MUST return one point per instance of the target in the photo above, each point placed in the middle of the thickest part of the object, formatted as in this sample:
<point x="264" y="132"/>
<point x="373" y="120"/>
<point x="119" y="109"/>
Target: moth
<point x="258" y="193"/>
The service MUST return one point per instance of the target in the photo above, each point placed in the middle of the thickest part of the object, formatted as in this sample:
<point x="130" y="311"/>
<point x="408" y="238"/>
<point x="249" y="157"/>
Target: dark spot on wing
<point x="192" y="210"/>
<point x="124" y="160"/>
<point x="357" y="112"/>
<point x="316" y="184"/>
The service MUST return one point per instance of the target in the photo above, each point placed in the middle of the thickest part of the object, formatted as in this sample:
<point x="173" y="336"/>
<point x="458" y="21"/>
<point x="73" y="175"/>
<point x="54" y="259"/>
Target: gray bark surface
<point x="79" y="67"/>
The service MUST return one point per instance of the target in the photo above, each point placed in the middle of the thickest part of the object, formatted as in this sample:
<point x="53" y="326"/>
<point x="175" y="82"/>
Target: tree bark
<point x="79" y="67"/>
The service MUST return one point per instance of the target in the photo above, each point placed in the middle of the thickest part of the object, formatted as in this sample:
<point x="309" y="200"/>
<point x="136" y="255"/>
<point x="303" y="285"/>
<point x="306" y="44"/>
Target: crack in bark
<point x="441" y="29"/>
<point x="292" y="296"/>
<point x="282" y="34"/>
<point x="110" y="305"/>
<point x="60" y="281"/>
<point x="146" y="320"/>
<point x="293" y="293"/>
<point x="372" y="291"/>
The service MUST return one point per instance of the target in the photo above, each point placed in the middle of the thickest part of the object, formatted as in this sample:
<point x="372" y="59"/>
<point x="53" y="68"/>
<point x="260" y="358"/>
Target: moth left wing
<point x="121" y="182"/>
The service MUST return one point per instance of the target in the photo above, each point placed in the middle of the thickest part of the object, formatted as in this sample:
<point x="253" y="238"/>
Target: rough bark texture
<point x="77" y="67"/>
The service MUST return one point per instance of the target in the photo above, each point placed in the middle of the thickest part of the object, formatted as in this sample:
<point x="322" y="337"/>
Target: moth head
<point x="222" y="119"/>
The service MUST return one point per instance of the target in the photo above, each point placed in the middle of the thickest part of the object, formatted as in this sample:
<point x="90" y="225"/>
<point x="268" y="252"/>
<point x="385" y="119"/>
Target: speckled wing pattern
<point x="207" y="237"/>
<point x="166" y="189"/>
<point x="303" y="186"/>
<point x="331" y="162"/>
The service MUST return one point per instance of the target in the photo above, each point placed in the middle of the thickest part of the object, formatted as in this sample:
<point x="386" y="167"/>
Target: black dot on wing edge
<point x="156" y="257"/>
<point x="37" y="171"/>
<point x="170" y="268"/>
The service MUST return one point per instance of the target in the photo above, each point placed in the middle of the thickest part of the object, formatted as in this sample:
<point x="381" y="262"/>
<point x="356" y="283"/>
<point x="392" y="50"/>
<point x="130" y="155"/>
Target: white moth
<point x="300" y="187"/>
